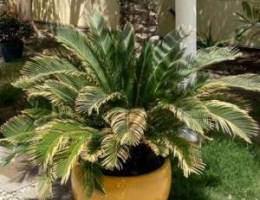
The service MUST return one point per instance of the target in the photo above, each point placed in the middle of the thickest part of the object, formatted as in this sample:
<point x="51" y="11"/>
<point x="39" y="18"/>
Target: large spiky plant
<point x="93" y="112"/>
<point x="250" y="21"/>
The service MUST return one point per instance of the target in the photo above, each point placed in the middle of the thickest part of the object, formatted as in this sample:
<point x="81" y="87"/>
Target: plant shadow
<point x="193" y="187"/>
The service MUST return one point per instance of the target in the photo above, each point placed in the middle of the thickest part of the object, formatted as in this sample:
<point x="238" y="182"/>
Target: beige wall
<point x="215" y="13"/>
<point x="166" y="21"/>
<point x="219" y="14"/>
<point x="75" y="12"/>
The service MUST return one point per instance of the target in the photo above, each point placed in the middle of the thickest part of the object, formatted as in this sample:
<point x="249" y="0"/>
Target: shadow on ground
<point x="232" y="172"/>
<point x="193" y="187"/>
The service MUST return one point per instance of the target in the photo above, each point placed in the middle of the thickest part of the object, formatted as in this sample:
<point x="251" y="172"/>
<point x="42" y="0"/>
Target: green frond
<point x="114" y="154"/>
<point x="61" y="113"/>
<point x="69" y="157"/>
<point x="249" y="20"/>
<point x="98" y="24"/>
<point x="189" y="157"/>
<point x="248" y="10"/>
<point x="249" y="82"/>
<point x="92" y="155"/>
<point x="187" y="153"/>
<point x="160" y="146"/>
<point x="41" y="68"/>
<point x="17" y="125"/>
<point x="115" y="51"/>
<point x="37" y="112"/>
<point x="54" y="137"/>
<point x="127" y="62"/>
<point x="91" y="99"/>
<point x="161" y="120"/>
<point x="91" y="178"/>
<point x="76" y="81"/>
<point x="187" y="84"/>
<point x="165" y="55"/>
<point x="47" y="144"/>
<point x="57" y="92"/>
<point x="10" y="158"/>
<point x="213" y="55"/>
<point x="22" y="138"/>
<point x="128" y="125"/>
<point x="128" y="39"/>
<point x="143" y="70"/>
<point x="226" y="96"/>
<point x="169" y="48"/>
<point x="178" y="71"/>
<point x="48" y="118"/>
<point x="45" y="187"/>
<point x="101" y="33"/>
<point x="92" y="151"/>
<point x="79" y="43"/>
<point x="9" y="72"/>
<point x="186" y="115"/>
<point x="230" y="119"/>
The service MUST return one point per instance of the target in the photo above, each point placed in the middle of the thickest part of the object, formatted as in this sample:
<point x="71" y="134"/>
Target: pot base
<point x="153" y="186"/>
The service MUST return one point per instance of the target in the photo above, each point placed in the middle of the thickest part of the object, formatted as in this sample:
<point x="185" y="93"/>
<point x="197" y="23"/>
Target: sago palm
<point x="250" y="21"/>
<point x="93" y="112"/>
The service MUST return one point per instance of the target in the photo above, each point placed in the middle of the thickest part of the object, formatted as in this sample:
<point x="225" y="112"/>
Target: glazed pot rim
<point x="151" y="173"/>
<point x="165" y="164"/>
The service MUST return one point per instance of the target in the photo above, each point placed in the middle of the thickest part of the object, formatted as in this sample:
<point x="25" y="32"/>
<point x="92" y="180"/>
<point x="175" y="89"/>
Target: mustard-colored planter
<point x="152" y="186"/>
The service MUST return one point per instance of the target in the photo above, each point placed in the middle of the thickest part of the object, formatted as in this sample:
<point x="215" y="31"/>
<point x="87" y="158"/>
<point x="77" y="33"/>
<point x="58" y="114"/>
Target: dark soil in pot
<point x="12" y="50"/>
<point x="142" y="161"/>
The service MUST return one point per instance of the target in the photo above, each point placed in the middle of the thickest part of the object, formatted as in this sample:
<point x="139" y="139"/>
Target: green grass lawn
<point x="232" y="173"/>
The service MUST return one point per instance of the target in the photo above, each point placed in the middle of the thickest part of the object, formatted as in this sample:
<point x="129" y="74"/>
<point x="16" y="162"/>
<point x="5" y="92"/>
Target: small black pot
<point x="12" y="50"/>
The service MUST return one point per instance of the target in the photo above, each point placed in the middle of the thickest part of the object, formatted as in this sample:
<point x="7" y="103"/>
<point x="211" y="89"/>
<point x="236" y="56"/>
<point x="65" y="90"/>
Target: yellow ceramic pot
<point x="153" y="186"/>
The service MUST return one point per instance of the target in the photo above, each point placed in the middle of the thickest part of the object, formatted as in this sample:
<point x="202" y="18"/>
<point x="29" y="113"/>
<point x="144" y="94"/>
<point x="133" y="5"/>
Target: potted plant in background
<point x="111" y="121"/>
<point x="12" y="33"/>
<point x="250" y="22"/>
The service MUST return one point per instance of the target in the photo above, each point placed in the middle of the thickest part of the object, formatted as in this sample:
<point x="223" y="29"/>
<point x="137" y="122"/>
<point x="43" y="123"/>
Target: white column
<point x="186" y="19"/>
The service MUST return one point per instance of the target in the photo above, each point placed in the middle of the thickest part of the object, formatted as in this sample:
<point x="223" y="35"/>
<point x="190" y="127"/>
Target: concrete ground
<point x="14" y="184"/>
